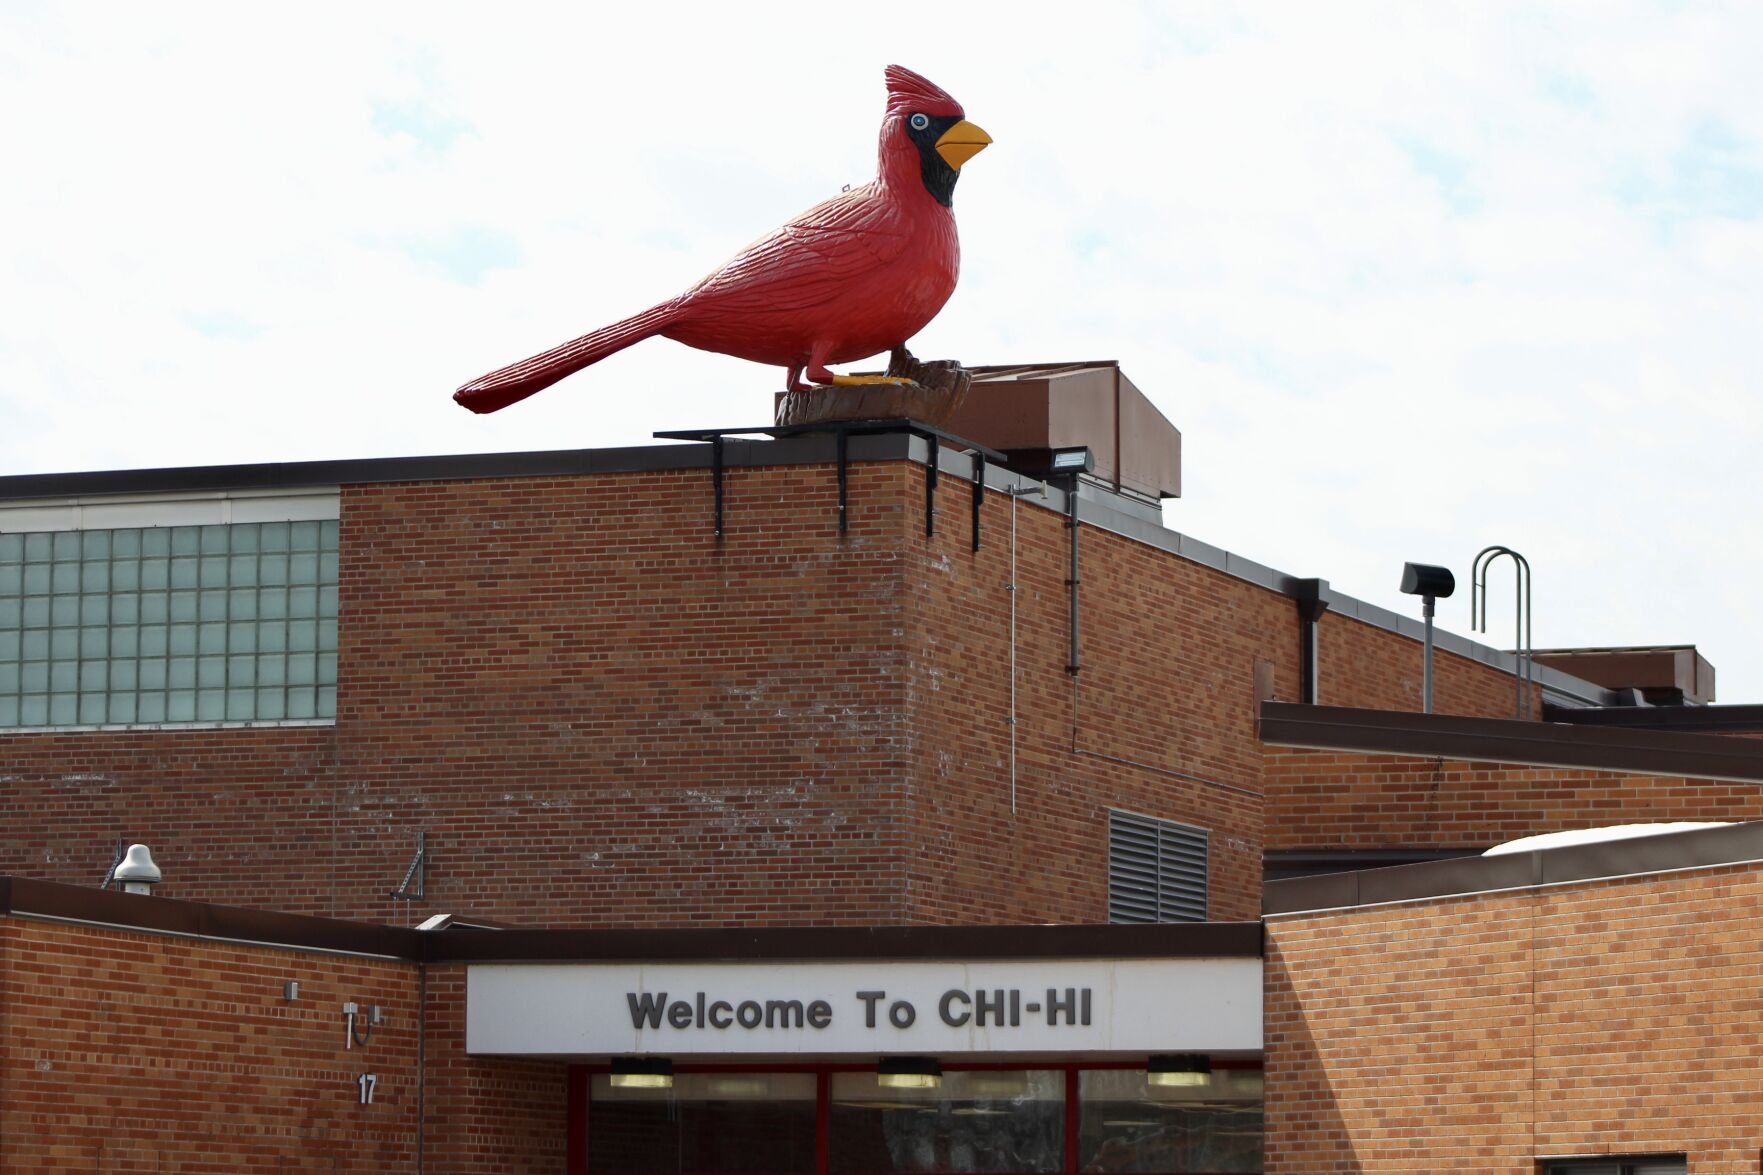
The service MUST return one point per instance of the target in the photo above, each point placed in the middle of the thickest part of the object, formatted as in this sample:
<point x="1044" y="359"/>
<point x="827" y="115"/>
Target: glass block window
<point x="223" y="623"/>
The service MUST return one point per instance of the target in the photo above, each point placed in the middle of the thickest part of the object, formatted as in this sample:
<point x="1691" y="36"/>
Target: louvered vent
<point x="1156" y="870"/>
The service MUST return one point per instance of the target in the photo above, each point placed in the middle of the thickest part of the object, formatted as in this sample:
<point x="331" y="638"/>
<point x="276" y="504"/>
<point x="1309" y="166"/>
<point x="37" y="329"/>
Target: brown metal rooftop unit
<point x="1026" y="411"/>
<point x="1666" y="675"/>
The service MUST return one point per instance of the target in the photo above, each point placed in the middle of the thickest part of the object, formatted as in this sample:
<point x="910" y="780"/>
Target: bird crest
<point x="908" y="92"/>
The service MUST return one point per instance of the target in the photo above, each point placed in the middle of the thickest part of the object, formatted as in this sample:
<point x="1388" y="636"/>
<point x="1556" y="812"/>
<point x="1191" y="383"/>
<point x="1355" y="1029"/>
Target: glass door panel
<point x="974" y="1121"/>
<point x="1126" y="1124"/>
<point x="707" y="1124"/>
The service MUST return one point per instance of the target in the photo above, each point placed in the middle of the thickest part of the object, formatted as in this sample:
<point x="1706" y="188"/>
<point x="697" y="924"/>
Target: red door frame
<point x="577" y="1145"/>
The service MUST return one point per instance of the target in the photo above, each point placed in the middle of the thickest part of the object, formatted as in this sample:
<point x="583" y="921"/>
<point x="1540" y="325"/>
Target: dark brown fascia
<point x="1507" y="740"/>
<point x="821" y="449"/>
<point x="1191" y="940"/>
<point x="806" y="450"/>
<point x="1734" y="719"/>
<point x="27" y="898"/>
<point x="1697" y="848"/>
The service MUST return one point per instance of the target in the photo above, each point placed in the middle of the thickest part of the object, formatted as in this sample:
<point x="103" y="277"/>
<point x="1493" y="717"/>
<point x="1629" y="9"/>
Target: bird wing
<point x="810" y="260"/>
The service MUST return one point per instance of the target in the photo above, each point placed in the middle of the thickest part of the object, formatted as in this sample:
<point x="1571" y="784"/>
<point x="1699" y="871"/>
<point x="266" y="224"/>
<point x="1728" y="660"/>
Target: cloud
<point x="1410" y="280"/>
<point x="464" y="253"/>
<point x="219" y="324"/>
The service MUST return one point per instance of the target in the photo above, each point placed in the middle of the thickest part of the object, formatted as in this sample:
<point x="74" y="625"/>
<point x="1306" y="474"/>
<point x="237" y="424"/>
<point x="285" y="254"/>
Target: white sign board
<point x="1086" y="1007"/>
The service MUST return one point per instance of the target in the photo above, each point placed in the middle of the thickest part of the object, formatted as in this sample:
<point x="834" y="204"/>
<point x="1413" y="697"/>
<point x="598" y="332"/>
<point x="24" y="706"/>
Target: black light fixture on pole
<point x="1430" y="583"/>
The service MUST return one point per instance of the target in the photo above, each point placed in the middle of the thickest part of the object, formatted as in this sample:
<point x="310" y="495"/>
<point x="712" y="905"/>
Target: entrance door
<point x="976" y="1120"/>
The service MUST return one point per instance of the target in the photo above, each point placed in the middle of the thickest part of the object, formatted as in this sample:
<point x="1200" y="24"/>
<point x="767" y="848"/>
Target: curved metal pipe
<point x="1524" y="676"/>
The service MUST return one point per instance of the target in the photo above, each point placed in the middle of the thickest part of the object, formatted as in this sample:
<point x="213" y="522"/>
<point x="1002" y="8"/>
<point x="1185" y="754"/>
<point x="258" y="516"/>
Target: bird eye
<point x="920" y="121"/>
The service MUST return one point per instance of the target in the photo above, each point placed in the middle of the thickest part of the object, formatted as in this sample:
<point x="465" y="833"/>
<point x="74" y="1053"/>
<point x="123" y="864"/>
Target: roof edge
<point x="1509" y="740"/>
<point x="1177" y="940"/>
<point x="1606" y="860"/>
<point x="809" y="449"/>
<point x="1736" y="718"/>
<point x="448" y="467"/>
<point x="23" y="897"/>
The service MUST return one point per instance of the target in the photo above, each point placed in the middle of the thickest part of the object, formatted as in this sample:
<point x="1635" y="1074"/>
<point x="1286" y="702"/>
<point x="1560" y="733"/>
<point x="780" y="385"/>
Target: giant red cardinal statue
<point x="857" y="275"/>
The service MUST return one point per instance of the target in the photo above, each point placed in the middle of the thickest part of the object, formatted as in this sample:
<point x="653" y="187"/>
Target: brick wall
<point x="599" y="716"/>
<point x="1158" y="720"/>
<point x="1336" y="799"/>
<point x="240" y="816"/>
<point x="487" y="1115"/>
<point x="1479" y="1033"/>
<point x="1377" y="669"/>
<point x="134" y="1052"/>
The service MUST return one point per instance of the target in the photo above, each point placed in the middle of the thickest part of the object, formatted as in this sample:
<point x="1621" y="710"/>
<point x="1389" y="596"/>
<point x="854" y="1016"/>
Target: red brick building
<point x="673" y="705"/>
<point x="1581" y="1009"/>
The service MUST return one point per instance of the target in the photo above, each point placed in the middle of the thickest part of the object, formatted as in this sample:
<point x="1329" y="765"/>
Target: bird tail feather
<point x="517" y="381"/>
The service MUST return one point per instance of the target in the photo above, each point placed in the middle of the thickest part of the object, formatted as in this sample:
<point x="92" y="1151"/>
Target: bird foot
<point x="850" y="381"/>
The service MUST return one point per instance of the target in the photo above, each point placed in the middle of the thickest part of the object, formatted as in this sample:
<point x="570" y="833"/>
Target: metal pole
<point x="1426" y="657"/>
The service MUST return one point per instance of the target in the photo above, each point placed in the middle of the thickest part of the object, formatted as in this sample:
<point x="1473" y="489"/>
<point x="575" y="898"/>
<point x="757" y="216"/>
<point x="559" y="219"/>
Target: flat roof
<point x="1702" y="848"/>
<point x="1744" y="717"/>
<point x="1510" y="740"/>
<point x="28" y="898"/>
<point x="1095" y="508"/>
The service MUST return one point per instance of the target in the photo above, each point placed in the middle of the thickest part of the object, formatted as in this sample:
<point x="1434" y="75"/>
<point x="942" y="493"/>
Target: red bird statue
<point x="857" y="275"/>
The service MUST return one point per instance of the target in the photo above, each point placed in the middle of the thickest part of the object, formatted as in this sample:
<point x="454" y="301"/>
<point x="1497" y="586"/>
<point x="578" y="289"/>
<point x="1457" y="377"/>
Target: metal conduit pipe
<point x="1015" y="492"/>
<point x="1072" y="665"/>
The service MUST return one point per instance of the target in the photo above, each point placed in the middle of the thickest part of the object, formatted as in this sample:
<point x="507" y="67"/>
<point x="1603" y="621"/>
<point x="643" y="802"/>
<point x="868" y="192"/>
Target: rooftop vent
<point x="1665" y="675"/>
<point x="1026" y="411"/>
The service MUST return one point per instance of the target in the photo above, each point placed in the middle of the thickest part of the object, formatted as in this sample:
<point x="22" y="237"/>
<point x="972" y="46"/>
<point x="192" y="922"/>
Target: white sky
<point x="1411" y="279"/>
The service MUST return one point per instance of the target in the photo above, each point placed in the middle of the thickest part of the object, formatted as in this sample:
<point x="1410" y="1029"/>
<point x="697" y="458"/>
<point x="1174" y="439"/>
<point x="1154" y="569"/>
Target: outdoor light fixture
<point x="1005" y="1085"/>
<point x="357" y="1017"/>
<point x="137" y="873"/>
<point x="1429" y="583"/>
<point x="909" y="1073"/>
<point x="1080" y="460"/>
<point x="740" y="1085"/>
<point x="1187" y="1069"/>
<point x="642" y="1073"/>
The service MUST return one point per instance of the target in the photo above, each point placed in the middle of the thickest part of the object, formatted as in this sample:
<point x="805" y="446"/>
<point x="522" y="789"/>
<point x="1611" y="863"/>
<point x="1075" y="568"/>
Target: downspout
<point x="422" y="1068"/>
<point x="1309" y="596"/>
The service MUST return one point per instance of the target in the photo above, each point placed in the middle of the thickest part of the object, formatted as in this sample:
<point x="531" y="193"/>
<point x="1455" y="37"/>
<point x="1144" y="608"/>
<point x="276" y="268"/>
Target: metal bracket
<point x="418" y="871"/>
<point x="844" y="483"/>
<point x="842" y="431"/>
<point x="930" y="491"/>
<point x="716" y="459"/>
<point x="979" y="491"/>
<point x="110" y="874"/>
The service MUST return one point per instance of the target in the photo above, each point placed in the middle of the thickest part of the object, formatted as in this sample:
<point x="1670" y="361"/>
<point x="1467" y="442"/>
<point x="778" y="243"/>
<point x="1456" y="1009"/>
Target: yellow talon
<point x="846" y="381"/>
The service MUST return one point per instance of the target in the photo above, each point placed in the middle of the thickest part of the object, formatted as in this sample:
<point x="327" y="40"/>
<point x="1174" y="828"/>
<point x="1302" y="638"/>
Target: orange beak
<point x="962" y="142"/>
